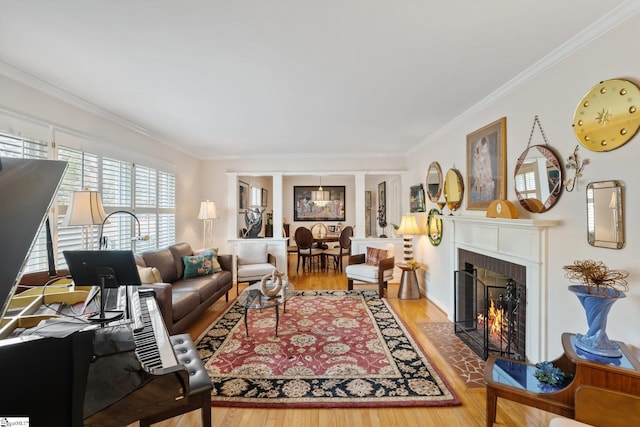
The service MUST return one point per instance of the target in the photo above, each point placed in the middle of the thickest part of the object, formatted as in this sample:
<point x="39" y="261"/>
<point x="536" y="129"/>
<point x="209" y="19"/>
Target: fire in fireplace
<point x="490" y="306"/>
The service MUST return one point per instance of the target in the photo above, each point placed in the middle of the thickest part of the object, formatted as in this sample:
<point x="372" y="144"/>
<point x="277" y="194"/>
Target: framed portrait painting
<point x="486" y="165"/>
<point x="306" y="209"/>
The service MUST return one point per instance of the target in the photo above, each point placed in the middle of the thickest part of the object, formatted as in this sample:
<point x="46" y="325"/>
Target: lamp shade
<point x="207" y="210"/>
<point x="85" y="209"/>
<point x="408" y="225"/>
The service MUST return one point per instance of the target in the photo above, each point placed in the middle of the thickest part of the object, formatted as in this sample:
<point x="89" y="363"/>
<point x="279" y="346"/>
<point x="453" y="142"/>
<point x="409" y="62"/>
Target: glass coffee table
<point x="252" y="298"/>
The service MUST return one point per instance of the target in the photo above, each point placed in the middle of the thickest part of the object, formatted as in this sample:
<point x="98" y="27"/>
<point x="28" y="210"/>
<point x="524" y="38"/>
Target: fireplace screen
<point x="490" y="313"/>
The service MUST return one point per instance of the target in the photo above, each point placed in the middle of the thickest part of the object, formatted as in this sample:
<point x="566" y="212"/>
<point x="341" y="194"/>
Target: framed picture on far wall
<point x="265" y="193"/>
<point x="382" y="198"/>
<point x="416" y="199"/>
<point x="243" y="196"/>
<point x="306" y="209"/>
<point x="486" y="165"/>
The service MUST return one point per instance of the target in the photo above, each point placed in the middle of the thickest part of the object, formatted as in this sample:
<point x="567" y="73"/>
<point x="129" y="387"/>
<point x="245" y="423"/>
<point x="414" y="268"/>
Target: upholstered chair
<point x="253" y="262"/>
<point x="374" y="266"/>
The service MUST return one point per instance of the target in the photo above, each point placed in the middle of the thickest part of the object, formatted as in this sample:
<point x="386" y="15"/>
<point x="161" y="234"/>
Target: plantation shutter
<point x="117" y="188"/>
<point x="166" y="209"/>
<point x="82" y="173"/>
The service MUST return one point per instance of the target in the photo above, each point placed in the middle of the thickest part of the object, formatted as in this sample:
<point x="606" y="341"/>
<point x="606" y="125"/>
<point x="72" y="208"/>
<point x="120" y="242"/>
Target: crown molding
<point x="31" y="81"/>
<point x="602" y="26"/>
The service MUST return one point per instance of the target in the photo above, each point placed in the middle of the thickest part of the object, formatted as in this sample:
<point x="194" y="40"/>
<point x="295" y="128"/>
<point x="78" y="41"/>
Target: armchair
<point x="368" y="268"/>
<point x="253" y="262"/>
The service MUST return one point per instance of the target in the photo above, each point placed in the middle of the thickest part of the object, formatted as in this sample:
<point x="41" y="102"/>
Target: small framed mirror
<point x="538" y="179"/>
<point x="605" y="214"/>
<point x="434" y="227"/>
<point x="434" y="182"/>
<point x="453" y="189"/>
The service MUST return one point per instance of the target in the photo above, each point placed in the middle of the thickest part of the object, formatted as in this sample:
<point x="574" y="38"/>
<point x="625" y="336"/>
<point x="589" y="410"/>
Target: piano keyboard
<point x="153" y="347"/>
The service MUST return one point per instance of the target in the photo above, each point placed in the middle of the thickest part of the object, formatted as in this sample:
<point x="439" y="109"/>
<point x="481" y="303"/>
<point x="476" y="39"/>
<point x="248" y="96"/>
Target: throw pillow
<point x="146" y="275"/>
<point x="213" y="251"/>
<point x="149" y="275"/>
<point x="156" y="275"/>
<point x="375" y="255"/>
<point x="197" y="265"/>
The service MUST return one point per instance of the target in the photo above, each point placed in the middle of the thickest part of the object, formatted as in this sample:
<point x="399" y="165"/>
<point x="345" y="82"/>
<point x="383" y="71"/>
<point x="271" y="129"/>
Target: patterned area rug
<point x="455" y="352"/>
<point x="333" y="349"/>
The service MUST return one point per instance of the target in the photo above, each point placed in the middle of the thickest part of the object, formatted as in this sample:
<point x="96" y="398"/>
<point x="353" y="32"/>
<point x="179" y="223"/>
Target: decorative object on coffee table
<point x="271" y="284"/>
<point x="600" y="288"/>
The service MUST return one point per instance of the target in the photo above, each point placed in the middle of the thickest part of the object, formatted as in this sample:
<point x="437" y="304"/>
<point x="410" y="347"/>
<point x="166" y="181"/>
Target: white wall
<point x="20" y="101"/>
<point x="553" y="96"/>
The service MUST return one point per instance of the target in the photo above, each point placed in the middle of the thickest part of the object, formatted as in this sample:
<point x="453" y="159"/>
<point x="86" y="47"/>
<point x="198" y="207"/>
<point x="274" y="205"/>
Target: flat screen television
<point x="27" y="191"/>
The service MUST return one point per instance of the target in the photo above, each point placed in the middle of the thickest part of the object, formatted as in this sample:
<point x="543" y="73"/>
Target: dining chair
<point x="343" y="249"/>
<point x="319" y="231"/>
<point x="307" y="251"/>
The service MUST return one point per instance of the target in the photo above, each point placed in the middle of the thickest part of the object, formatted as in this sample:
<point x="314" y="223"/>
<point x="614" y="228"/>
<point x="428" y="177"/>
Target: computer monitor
<point x="107" y="269"/>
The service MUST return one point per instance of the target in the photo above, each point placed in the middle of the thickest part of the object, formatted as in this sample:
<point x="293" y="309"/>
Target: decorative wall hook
<point x="574" y="162"/>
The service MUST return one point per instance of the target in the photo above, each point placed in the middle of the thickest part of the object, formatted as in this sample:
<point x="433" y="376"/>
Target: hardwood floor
<point x="471" y="413"/>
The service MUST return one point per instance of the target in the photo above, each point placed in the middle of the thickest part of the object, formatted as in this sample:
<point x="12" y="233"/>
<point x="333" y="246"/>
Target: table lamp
<point x="408" y="228"/>
<point x="85" y="210"/>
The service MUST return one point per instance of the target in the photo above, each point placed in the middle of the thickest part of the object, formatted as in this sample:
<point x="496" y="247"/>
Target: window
<point x="256" y="197"/>
<point x="144" y="191"/>
<point x="124" y="186"/>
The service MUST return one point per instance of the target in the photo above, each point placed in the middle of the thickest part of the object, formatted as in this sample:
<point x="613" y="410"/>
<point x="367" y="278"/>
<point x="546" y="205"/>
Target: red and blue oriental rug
<point x="333" y="349"/>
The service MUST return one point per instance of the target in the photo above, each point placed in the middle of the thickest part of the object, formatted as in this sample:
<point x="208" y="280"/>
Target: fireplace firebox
<point x="490" y="305"/>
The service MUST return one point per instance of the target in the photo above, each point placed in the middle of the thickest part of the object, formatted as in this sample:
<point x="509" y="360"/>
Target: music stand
<point x="108" y="269"/>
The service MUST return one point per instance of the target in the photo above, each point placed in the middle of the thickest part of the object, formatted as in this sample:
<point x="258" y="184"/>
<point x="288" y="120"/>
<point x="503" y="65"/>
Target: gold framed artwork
<point x="487" y="165"/>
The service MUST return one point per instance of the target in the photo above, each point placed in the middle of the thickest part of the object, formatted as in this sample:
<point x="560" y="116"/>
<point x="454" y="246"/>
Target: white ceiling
<point x="240" y="77"/>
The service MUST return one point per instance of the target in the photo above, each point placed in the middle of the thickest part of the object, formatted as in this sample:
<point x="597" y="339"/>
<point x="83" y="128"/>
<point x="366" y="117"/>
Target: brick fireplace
<point x="520" y="243"/>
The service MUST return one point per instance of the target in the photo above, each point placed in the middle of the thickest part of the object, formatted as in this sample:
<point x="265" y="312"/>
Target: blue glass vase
<point x="596" y="307"/>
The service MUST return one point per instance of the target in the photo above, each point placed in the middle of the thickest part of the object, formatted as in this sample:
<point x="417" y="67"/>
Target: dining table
<point x="320" y="241"/>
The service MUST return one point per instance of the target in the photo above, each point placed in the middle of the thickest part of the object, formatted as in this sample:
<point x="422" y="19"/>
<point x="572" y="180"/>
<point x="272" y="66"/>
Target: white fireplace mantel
<point x="520" y="241"/>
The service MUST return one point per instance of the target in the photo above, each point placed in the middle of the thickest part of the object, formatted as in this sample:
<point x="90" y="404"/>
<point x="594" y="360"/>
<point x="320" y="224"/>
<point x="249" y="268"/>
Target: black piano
<point x="57" y="367"/>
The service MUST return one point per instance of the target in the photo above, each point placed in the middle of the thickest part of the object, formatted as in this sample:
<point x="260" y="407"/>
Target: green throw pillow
<point x="197" y="265"/>
<point x="212" y="251"/>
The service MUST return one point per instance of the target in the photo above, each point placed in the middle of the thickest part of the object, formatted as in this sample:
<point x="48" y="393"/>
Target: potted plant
<point x="599" y="288"/>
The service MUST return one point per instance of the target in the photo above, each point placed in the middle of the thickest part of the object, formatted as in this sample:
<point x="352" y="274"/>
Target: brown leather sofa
<point x="181" y="301"/>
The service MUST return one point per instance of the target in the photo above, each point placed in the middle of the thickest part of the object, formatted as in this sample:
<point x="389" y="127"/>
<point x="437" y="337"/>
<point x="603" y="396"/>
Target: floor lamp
<point x="408" y="228"/>
<point x="85" y="210"/>
<point x="207" y="213"/>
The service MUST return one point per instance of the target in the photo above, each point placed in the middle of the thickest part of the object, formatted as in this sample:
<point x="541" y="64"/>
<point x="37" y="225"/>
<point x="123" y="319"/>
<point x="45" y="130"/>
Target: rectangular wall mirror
<point x="605" y="214"/>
